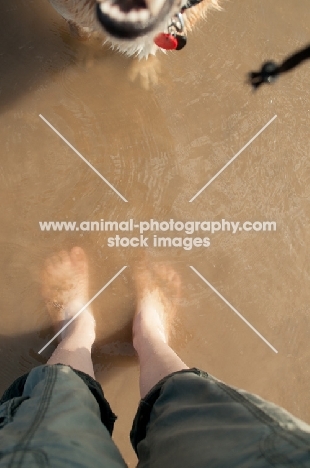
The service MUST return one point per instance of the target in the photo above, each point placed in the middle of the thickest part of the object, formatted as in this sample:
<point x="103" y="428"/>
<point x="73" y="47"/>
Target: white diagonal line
<point x="232" y="159"/>
<point x="84" y="159"/>
<point x="83" y="308"/>
<point x="233" y="309"/>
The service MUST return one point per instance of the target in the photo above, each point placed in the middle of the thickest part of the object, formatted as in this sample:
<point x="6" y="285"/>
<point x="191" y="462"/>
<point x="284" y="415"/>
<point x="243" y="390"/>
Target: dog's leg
<point x="199" y="12"/>
<point x="77" y="31"/>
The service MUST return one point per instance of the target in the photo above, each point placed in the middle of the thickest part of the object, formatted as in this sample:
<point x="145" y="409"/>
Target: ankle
<point x="82" y="329"/>
<point x="146" y="335"/>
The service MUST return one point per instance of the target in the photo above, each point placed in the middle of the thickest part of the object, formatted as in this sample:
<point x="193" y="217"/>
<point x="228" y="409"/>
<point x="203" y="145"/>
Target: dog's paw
<point x="146" y="71"/>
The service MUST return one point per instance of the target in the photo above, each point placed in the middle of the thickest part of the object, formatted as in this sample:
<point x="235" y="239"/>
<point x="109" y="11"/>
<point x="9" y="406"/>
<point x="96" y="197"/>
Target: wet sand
<point x="159" y="147"/>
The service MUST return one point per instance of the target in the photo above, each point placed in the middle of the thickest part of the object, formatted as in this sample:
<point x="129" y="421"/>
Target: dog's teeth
<point x="144" y="15"/>
<point x="114" y="12"/>
<point x="132" y="16"/>
<point x="154" y="6"/>
<point x="105" y="7"/>
<point x="137" y="15"/>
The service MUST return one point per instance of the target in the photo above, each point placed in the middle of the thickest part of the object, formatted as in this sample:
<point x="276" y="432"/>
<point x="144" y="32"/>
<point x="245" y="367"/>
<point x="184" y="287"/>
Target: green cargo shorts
<point x="58" y="417"/>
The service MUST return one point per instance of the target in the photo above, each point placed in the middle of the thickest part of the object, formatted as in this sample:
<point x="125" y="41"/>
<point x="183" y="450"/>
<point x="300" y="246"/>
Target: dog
<point x="135" y="27"/>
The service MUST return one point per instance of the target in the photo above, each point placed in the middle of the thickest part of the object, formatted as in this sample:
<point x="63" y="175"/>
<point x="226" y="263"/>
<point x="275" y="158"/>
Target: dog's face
<point x="130" y="19"/>
<point x="129" y="25"/>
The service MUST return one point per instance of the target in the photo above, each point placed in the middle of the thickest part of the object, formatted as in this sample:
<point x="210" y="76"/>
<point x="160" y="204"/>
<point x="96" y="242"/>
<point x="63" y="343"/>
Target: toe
<point x="78" y="253"/>
<point x="175" y="279"/>
<point x="78" y="256"/>
<point x="62" y="257"/>
<point x="48" y="265"/>
<point x="54" y="261"/>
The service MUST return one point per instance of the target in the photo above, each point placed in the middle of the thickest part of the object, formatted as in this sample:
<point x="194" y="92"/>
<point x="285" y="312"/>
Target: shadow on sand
<point x="19" y="353"/>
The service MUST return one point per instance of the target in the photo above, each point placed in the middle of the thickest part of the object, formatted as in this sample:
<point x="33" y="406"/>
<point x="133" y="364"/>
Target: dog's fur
<point x="83" y="20"/>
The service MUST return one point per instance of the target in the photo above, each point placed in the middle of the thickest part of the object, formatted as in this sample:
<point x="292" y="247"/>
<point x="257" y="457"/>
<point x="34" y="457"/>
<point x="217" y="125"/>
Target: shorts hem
<point x="107" y="416"/>
<point x="142" y="418"/>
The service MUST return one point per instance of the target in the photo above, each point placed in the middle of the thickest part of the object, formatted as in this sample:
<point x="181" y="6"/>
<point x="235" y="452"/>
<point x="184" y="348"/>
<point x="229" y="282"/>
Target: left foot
<point x="65" y="290"/>
<point x="157" y="292"/>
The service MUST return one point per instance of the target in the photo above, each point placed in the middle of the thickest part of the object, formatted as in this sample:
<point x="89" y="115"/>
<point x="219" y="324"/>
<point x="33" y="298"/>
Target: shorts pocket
<point x="8" y="410"/>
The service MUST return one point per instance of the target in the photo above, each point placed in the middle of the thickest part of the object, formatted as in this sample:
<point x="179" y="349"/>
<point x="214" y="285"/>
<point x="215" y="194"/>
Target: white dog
<point x="135" y="27"/>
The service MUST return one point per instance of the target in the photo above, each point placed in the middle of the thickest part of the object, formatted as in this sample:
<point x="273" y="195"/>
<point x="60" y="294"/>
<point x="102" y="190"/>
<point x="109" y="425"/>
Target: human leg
<point x="191" y="419"/>
<point x="65" y="290"/>
<point x="152" y="326"/>
<point x="57" y="414"/>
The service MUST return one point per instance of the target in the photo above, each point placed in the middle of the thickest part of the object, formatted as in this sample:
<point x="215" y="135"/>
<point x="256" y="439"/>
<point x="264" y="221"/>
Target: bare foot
<point x="65" y="290"/>
<point x="157" y="295"/>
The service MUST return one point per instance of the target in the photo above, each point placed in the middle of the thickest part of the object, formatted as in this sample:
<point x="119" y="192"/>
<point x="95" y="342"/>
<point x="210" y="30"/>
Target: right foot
<point x="65" y="290"/>
<point x="157" y="295"/>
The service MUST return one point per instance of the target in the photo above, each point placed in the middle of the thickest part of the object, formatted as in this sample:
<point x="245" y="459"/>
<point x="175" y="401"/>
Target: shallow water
<point x="158" y="148"/>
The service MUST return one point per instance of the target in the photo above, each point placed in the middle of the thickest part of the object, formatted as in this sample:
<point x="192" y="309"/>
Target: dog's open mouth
<point x="129" y="19"/>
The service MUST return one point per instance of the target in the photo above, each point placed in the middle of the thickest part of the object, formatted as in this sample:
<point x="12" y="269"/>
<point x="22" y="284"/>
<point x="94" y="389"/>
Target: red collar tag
<point x="166" y="41"/>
